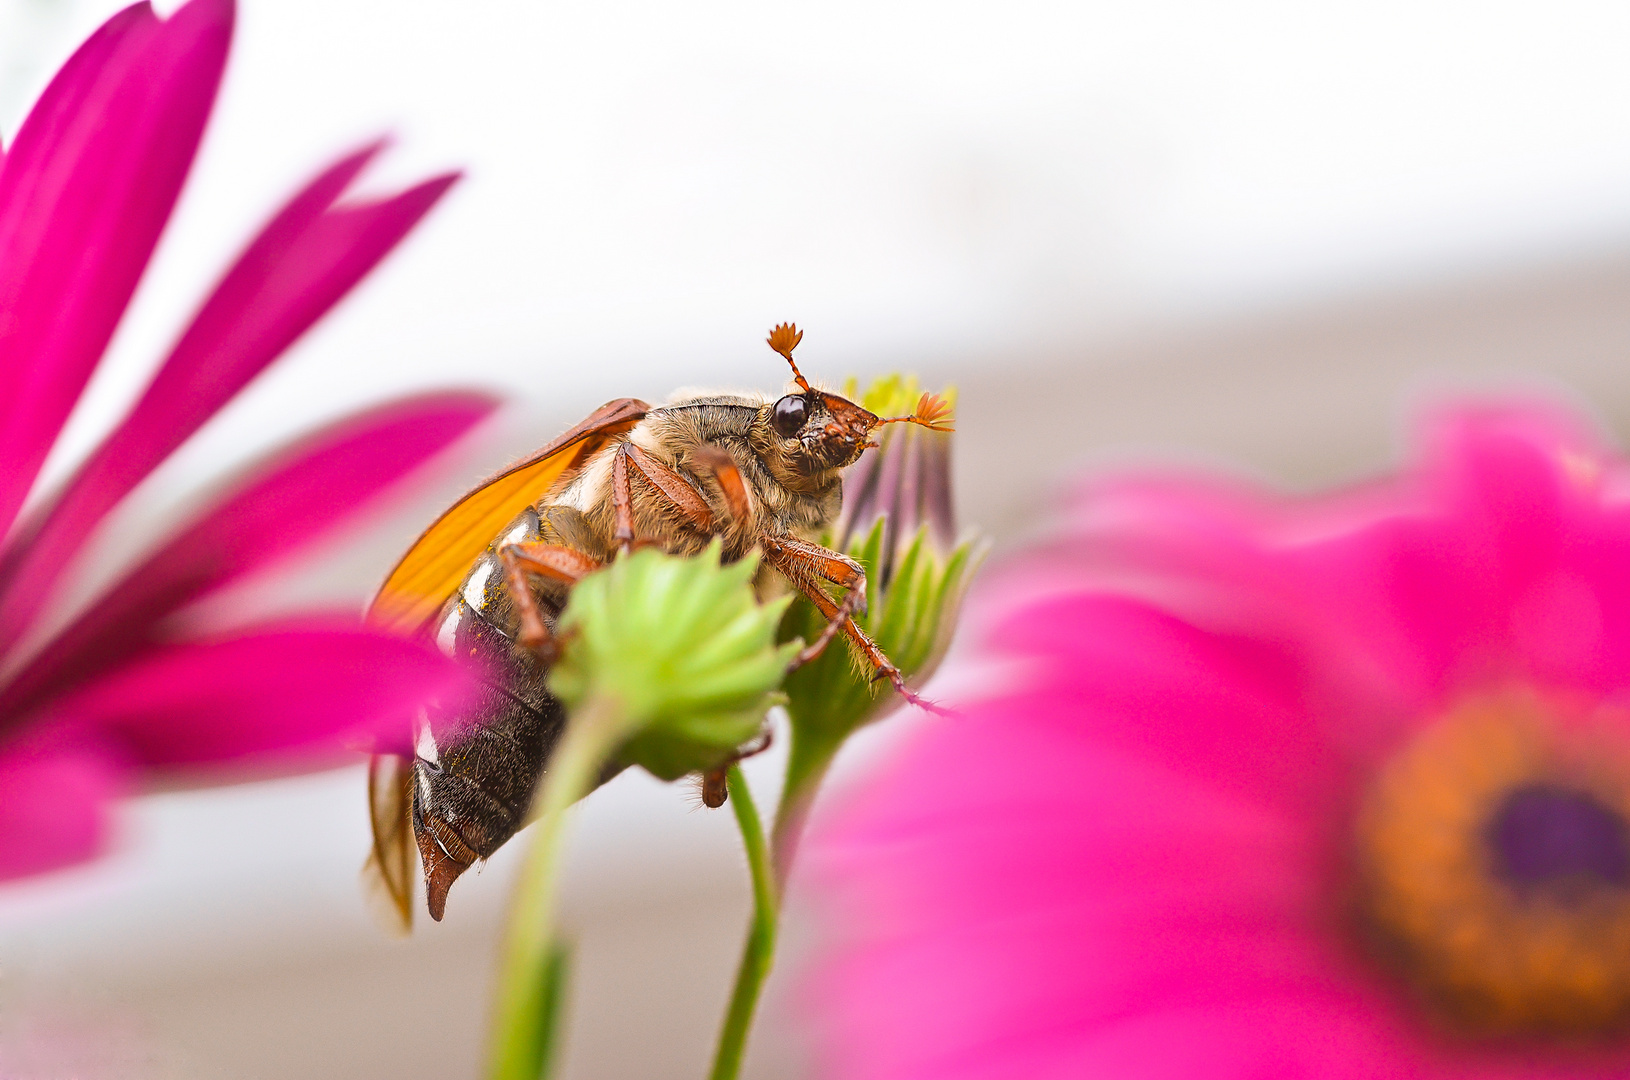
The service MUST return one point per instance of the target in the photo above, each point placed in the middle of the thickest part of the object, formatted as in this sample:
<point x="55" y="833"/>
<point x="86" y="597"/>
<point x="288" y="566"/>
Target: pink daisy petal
<point x="308" y="257"/>
<point x="1139" y="860"/>
<point x="1494" y="554"/>
<point x="1085" y="888"/>
<point x="54" y="811"/>
<point x="296" y="694"/>
<point x="84" y="193"/>
<point x="299" y="495"/>
<point x="1227" y="709"/>
<point x="1506" y="564"/>
<point x="1435" y="591"/>
<point x="1006" y="876"/>
<point x="1294" y="1038"/>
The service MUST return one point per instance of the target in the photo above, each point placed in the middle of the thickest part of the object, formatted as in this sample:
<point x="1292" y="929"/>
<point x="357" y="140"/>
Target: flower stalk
<point x="670" y="664"/>
<point x="532" y="977"/>
<point x="759" y="952"/>
<point x="808" y="759"/>
<point x="898" y="523"/>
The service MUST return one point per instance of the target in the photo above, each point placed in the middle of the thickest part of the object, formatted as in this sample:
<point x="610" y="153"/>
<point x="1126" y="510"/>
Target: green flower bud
<point x="898" y="523"/>
<point x="681" y="650"/>
<point x="906" y="483"/>
<point x="912" y="618"/>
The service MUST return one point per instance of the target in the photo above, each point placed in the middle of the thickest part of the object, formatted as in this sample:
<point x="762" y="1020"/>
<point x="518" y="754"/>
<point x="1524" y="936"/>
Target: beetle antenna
<point x="933" y="412"/>
<point x="783" y="339"/>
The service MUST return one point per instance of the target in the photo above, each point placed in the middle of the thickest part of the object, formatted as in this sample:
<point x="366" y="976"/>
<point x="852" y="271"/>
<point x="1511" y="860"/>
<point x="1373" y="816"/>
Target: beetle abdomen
<point x="475" y="771"/>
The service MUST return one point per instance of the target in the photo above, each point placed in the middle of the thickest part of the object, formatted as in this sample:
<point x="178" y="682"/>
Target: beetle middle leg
<point x="679" y="494"/>
<point x="555" y="561"/>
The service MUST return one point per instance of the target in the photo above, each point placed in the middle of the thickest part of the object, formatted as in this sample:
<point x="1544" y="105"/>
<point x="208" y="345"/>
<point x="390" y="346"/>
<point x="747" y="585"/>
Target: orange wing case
<point x="438" y="561"/>
<point x="414" y="593"/>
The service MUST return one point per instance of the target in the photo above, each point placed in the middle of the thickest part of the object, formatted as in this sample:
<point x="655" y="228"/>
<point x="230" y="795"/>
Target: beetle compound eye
<point x="790" y="414"/>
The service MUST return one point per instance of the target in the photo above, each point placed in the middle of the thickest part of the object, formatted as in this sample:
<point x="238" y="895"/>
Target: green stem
<point x="807" y="762"/>
<point x="532" y="964"/>
<point x="759" y="951"/>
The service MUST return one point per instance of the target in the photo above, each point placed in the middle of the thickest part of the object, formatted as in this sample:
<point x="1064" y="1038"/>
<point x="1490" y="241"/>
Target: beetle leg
<point x="679" y="491"/>
<point x="873" y="655"/>
<point x="715" y="791"/>
<point x="546" y="560"/>
<point x="804" y="564"/>
<point x="716" y="786"/>
<point x="681" y="494"/>
<point x="724" y="470"/>
<point x="622" y="501"/>
<point x="843" y="616"/>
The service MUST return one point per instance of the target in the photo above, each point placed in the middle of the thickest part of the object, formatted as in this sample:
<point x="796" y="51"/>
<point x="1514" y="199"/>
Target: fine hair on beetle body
<point x="685" y="435"/>
<point x="490" y="578"/>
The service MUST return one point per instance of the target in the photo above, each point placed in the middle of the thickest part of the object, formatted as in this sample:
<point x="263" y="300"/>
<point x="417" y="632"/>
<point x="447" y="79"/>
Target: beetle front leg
<point x="843" y="616"/>
<point x="737" y="501"/>
<point x="806" y="565"/>
<point x="869" y="650"/>
<point x="677" y="493"/>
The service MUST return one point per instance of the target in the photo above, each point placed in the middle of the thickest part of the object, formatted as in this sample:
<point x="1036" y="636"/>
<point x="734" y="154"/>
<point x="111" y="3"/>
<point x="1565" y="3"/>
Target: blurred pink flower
<point x="84" y="192"/>
<point x="1332" y="787"/>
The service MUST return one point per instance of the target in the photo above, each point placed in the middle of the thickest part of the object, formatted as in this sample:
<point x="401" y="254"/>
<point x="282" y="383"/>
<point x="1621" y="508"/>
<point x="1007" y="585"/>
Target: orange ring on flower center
<point x="1494" y="861"/>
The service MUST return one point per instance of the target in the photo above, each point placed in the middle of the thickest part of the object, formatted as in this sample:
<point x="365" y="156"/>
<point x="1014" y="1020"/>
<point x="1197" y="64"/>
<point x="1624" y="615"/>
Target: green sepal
<point x="912" y="620"/>
<point x="684" y="648"/>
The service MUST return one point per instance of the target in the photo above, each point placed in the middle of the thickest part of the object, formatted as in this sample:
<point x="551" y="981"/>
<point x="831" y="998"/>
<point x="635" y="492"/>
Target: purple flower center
<point x="1496" y="853"/>
<point x="1545" y="834"/>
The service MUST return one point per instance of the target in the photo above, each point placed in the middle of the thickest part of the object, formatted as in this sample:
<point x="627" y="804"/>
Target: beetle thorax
<point x="672" y="435"/>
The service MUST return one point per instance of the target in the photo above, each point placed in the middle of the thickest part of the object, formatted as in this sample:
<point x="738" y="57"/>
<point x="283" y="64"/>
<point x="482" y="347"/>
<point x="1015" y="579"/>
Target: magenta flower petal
<point x="298" y="496"/>
<point x="308" y="257"/>
<point x="84" y="193"/>
<point x="1307" y="788"/>
<point x="1226" y="711"/>
<point x="54" y="811"/>
<point x="1008" y="876"/>
<point x="1519" y="572"/>
<point x="1434" y="591"/>
<point x="294" y="694"/>
<point x="1496" y="552"/>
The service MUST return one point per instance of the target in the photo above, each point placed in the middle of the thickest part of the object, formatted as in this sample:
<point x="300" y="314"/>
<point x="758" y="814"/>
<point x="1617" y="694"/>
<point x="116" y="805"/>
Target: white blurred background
<point x="1248" y="233"/>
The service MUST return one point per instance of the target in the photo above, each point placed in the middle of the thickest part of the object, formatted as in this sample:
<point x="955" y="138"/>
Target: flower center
<point x="1545" y="835"/>
<point x="1493" y="857"/>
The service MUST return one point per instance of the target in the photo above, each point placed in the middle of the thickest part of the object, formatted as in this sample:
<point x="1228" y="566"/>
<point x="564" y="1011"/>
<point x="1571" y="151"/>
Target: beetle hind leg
<point x="553" y="561"/>
<point x="715" y="791"/>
